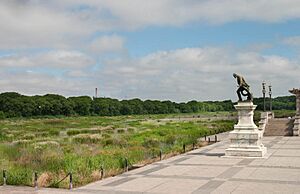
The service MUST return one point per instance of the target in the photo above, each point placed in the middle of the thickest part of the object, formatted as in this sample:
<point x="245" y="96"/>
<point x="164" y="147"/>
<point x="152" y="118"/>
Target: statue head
<point x="234" y="75"/>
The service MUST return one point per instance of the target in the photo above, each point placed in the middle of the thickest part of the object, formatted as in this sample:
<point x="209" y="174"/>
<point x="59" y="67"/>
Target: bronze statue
<point x="243" y="87"/>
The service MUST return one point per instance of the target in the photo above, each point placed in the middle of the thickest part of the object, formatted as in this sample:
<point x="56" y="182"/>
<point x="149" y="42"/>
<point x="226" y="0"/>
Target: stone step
<point x="279" y="127"/>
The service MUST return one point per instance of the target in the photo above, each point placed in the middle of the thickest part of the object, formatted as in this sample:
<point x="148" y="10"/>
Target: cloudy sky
<point x="159" y="49"/>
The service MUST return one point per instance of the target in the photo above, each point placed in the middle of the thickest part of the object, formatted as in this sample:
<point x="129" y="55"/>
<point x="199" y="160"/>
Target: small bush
<point x="170" y="139"/>
<point x="130" y="129"/>
<point x="28" y="137"/>
<point x="2" y="115"/>
<point x="83" y="131"/>
<point x="106" y="135"/>
<point x="19" y="176"/>
<point x="73" y="132"/>
<point x="120" y="131"/>
<point x="87" y="138"/>
<point x="108" y="141"/>
<point x="54" y="122"/>
<point x="54" y="132"/>
<point x="151" y="143"/>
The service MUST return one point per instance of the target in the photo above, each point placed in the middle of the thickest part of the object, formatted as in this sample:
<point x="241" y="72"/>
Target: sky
<point x="159" y="49"/>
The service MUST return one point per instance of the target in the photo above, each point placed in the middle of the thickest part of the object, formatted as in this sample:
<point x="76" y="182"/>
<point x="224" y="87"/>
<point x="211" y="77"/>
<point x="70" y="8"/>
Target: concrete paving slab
<point x="141" y="185"/>
<point x="287" y="152"/>
<point x="173" y="170"/>
<point x="284" y="162"/>
<point x="209" y="187"/>
<point x="211" y="160"/>
<point x="277" y="174"/>
<point x="175" y="186"/>
<point x="286" y="146"/>
<point x="206" y="171"/>
<point x="238" y="187"/>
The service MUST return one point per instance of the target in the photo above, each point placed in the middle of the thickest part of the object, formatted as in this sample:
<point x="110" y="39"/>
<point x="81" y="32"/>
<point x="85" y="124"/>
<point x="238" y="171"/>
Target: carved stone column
<point x="297" y="117"/>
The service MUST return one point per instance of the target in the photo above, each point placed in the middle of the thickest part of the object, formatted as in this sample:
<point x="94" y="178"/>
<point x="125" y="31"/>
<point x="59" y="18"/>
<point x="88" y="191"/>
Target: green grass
<point x="52" y="147"/>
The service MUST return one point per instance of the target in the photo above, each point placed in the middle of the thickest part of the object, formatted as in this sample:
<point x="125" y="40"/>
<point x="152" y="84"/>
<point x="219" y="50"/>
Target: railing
<point x="264" y="119"/>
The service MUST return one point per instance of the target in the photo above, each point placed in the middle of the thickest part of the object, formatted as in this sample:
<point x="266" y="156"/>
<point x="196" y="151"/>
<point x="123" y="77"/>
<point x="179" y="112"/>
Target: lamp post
<point x="270" y="94"/>
<point x="264" y="94"/>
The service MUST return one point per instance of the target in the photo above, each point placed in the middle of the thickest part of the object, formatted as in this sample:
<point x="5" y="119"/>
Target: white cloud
<point x="54" y="59"/>
<point x="34" y="83"/>
<point x="65" y="24"/>
<point x="65" y="59"/>
<point x="292" y="41"/>
<point x="105" y="44"/>
<point x="180" y="75"/>
<point x="196" y="73"/>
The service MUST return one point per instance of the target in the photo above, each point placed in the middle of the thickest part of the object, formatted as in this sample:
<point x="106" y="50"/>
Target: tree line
<point x="13" y="104"/>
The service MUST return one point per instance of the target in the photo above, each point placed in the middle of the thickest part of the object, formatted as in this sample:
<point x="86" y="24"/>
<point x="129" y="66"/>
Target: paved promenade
<point x="204" y="170"/>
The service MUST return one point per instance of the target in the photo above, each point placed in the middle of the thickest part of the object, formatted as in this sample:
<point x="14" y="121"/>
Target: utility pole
<point x="264" y="94"/>
<point x="96" y="92"/>
<point x="270" y="93"/>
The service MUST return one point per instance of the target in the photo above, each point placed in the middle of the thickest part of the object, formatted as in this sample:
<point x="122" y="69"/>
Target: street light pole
<point x="264" y="94"/>
<point x="270" y="93"/>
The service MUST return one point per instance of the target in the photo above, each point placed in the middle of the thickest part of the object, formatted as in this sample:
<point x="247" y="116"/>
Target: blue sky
<point x="160" y="49"/>
<point x="238" y="34"/>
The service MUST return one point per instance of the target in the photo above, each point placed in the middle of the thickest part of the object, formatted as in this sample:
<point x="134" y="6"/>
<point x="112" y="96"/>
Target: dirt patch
<point x="44" y="179"/>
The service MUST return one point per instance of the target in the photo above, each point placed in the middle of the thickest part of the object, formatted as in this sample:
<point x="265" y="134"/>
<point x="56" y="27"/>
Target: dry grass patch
<point x="87" y="138"/>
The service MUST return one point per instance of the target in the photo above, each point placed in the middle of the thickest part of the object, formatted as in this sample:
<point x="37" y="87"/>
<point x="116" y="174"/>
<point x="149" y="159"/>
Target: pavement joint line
<point x="95" y="191"/>
<point x="230" y="172"/>
<point x="131" y="175"/>
<point x="180" y="177"/>
<point x="179" y="160"/>
<point x="283" y="156"/>
<point x="209" y="187"/>
<point x="245" y="162"/>
<point x="282" y="167"/>
<point x="217" y="165"/>
<point x="145" y="172"/>
<point x="265" y="181"/>
<point x="286" y="148"/>
<point x="199" y="153"/>
<point x="155" y="186"/>
<point x="209" y="154"/>
<point x="119" y="181"/>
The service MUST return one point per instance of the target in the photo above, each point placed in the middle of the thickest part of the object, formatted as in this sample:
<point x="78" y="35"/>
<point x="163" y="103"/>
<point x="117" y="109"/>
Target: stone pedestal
<point x="296" y="128"/>
<point x="245" y="139"/>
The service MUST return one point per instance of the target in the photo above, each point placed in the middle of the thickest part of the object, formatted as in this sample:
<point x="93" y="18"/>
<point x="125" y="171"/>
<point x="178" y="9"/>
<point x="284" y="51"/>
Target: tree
<point x="82" y="105"/>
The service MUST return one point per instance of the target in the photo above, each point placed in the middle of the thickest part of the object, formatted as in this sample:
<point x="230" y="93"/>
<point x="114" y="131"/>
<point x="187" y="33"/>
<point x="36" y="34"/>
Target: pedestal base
<point x="245" y="139"/>
<point x="256" y="152"/>
<point x="246" y="143"/>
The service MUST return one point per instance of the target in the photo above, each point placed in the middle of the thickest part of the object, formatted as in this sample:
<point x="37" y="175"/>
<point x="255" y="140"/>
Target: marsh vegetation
<point x="52" y="146"/>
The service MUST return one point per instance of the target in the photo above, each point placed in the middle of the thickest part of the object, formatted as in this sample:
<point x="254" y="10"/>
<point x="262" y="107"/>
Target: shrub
<point x="106" y="135"/>
<point x="120" y="131"/>
<point x="28" y="137"/>
<point x="130" y="129"/>
<point x="54" y="132"/>
<point x="170" y="139"/>
<point x="151" y="143"/>
<point x="71" y="132"/>
<point x="2" y="115"/>
<point x="108" y="141"/>
<point x="54" y="122"/>
<point x="19" y="176"/>
<point x="87" y="138"/>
